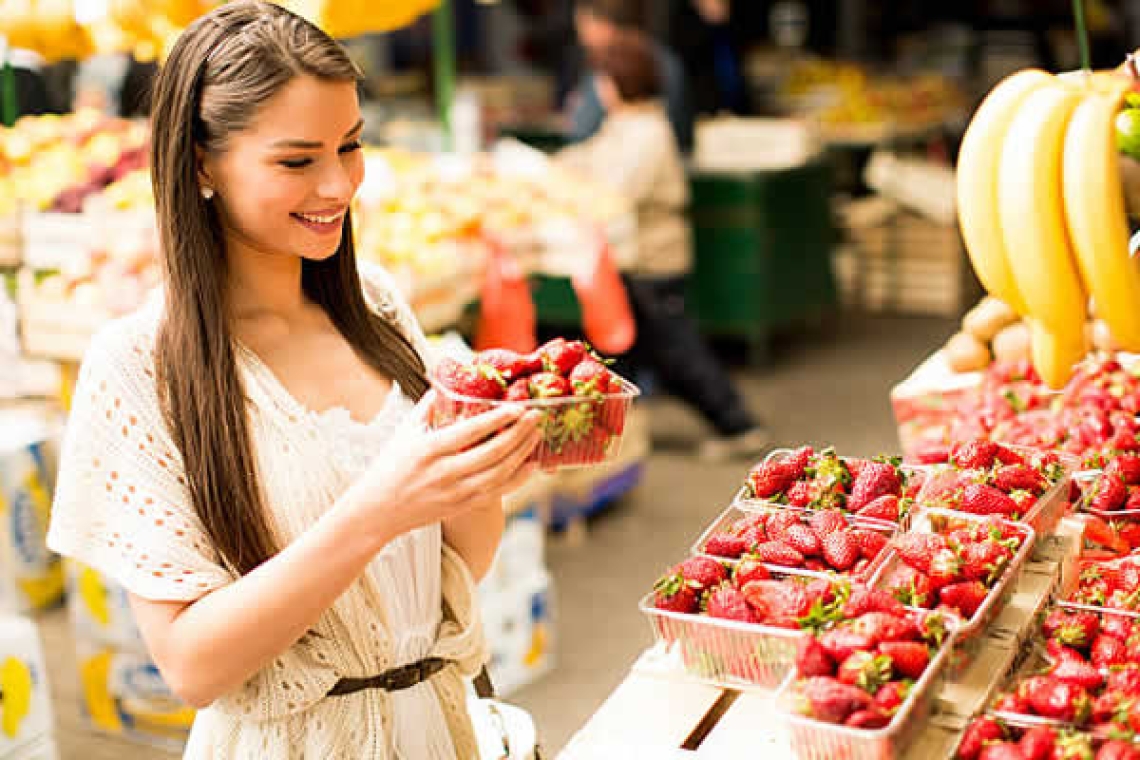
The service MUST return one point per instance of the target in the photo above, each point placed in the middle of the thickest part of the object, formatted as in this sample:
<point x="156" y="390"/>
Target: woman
<point x="634" y="152"/>
<point x="244" y="454"/>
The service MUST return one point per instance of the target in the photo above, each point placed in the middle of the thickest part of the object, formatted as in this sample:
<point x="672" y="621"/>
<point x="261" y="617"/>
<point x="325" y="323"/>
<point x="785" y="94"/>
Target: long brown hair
<point x="222" y="67"/>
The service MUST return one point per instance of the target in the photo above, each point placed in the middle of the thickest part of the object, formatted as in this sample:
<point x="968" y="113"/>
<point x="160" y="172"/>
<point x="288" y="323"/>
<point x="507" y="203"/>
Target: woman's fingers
<point x="468" y="432"/>
<point x="490" y="452"/>
<point x="497" y="473"/>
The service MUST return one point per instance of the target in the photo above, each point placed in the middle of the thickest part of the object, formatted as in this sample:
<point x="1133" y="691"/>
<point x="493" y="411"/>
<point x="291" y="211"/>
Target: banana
<point x="1032" y="211"/>
<point x="978" y="161"/>
<point x="1055" y="353"/>
<point x="1098" y="226"/>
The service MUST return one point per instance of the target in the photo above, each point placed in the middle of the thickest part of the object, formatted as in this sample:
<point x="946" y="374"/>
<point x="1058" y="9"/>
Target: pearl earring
<point x="207" y="193"/>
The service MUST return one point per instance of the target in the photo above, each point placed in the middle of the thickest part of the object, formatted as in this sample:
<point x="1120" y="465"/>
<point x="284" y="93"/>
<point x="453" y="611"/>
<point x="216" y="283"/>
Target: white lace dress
<point x="122" y="507"/>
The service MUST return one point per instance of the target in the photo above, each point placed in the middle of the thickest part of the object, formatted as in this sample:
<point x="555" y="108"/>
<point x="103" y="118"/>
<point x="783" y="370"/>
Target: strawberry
<point x="1108" y="651"/>
<point x="770" y="478"/>
<point x="883" y="626"/>
<point x="976" y="454"/>
<point x="803" y="539"/>
<point x="1109" y="493"/>
<point x="966" y="597"/>
<point x="673" y="593"/>
<point x="1020" y="477"/>
<point x="980" y="732"/>
<point x="875" y="479"/>
<point x="945" y="568"/>
<point x="1107" y="708"/>
<point x="816" y="565"/>
<point x="519" y="390"/>
<point x="798" y="460"/>
<point x="591" y="378"/>
<point x="548" y="385"/>
<point x="1117" y="626"/>
<point x="871" y="543"/>
<point x="509" y="364"/>
<point x="802" y="493"/>
<point x="984" y="561"/>
<point x="980" y="499"/>
<point x="1058" y="652"/>
<point x="841" y="643"/>
<point x="892" y="695"/>
<point x="1126" y="467"/>
<point x="866" y="670"/>
<point x="1002" y="751"/>
<point x="885" y="507"/>
<point x="1133" y="501"/>
<point x="726" y="545"/>
<point x="827" y="521"/>
<point x="1071" y="627"/>
<point x="1078" y="672"/>
<point x="1006" y="455"/>
<point x="727" y="602"/>
<point x="918" y="549"/>
<point x="812" y="659"/>
<point x="1037" y="743"/>
<point x="869" y="719"/>
<point x="1053" y="698"/>
<point x="780" y="523"/>
<point x="749" y="569"/>
<point x="829" y="700"/>
<point x="775" y="603"/>
<point x="1072" y="746"/>
<point x="910" y="658"/>
<point x="561" y="356"/>
<point x="1124" y="679"/>
<point x="475" y="381"/>
<point x="1117" y="749"/>
<point x="841" y="550"/>
<point x="702" y="573"/>
<point x="1011" y="703"/>
<point x="778" y="553"/>
<point x="863" y="599"/>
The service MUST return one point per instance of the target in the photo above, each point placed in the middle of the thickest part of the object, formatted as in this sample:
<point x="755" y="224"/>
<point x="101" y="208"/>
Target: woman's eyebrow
<point x="309" y="144"/>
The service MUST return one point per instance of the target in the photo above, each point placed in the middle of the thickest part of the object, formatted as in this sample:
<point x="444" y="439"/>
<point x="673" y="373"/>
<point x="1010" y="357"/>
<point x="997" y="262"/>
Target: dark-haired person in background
<point x="634" y="152"/>
<point x="598" y="24"/>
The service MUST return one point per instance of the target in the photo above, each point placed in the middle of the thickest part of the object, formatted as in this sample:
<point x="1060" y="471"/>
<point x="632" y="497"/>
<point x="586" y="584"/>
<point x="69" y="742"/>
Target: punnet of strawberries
<point x="861" y="671"/>
<point x="1114" y="584"/>
<point x="989" y="737"/>
<point x="584" y="404"/>
<point x="1117" y="488"/>
<point x="955" y="565"/>
<point x="988" y="478"/>
<point x="824" y="540"/>
<point x="876" y="488"/>
<point x="1109" y="536"/>
<point x="1088" y="676"/>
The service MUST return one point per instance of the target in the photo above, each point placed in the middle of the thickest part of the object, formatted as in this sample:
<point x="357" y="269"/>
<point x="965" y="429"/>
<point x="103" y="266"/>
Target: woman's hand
<point x="428" y="476"/>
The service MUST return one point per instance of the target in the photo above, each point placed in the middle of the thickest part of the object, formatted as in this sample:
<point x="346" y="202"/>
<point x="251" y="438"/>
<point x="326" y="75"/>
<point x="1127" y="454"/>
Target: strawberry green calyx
<point x="933" y="627"/>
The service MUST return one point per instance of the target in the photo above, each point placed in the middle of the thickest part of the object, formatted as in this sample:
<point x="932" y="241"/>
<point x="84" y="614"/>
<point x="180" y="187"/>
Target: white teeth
<point x="319" y="219"/>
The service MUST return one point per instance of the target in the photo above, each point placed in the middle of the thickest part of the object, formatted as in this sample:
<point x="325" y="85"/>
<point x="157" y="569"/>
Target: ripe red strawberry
<point x="749" y="569"/>
<point x="910" y="658"/>
<point x="1011" y="703"/>
<point x="778" y="553"/>
<point x="885" y="507"/>
<point x="863" y="599"/>
<point x="841" y="643"/>
<point x="1107" y="707"/>
<point x="871" y="543"/>
<point x="703" y="572"/>
<point x="1053" y="698"/>
<point x="726" y="545"/>
<point x="1117" y="749"/>
<point x="1125" y="679"/>
<point x="509" y="364"/>
<point x="884" y="626"/>
<point x="866" y="670"/>
<point x="1133" y="503"/>
<point x="892" y="695"/>
<point x="966" y="597"/>
<point x="548" y="385"/>
<point x="980" y="732"/>
<point x="816" y="565"/>
<point x="727" y="602"/>
<point x="812" y="659"/>
<point x="476" y="381"/>
<point x="802" y="493"/>
<point x="875" y="479"/>
<point x="561" y="355"/>
<point x="1058" y="652"/>
<point x="1037" y="743"/>
<point x="1109" y="493"/>
<point x="976" y="454"/>
<point x="1073" y="628"/>
<point x="1117" y="626"/>
<point x="1002" y="751"/>
<point x="591" y="378"/>
<point x="840" y="550"/>
<point x="1126" y="467"/>
<point x="1006" y="455"/>
<point x="829" y="700"/>
<point x="984" y="561"/>
<point x="1020" y="477"/>
<point x="776" y="603"/>
<point x="1079" y="672"/>
<point x="1072" y="746"/>
<point x="868" y="719"/>
<point x="827" y="521"/>
<point x="918" y="549"/>
<point x="770" y="478"/>
<point x="980" y="499"/>
<point x="798" y="460"/>
<point x="519" y="390"/>
<point x="803" y="539"/>
<point x="781" y="522"/>
<point x="1108" y="651"/>
<point x="674" y="593"/>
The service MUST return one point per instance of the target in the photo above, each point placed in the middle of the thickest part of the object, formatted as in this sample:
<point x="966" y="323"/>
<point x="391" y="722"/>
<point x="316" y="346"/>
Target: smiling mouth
<point x="320" y="218"/>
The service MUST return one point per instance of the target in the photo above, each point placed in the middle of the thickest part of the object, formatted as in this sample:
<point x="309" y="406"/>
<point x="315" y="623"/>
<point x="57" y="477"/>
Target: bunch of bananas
<point x="45" y="26"/>
<point x="1041" y="208"/>
<point x="350" y="18"/>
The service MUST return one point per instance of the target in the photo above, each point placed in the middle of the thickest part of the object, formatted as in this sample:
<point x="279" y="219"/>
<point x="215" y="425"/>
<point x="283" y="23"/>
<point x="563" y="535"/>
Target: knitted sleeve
<point x="122" y="504"/>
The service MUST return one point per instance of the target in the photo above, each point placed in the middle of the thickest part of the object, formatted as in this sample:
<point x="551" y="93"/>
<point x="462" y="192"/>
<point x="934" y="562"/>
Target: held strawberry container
<point x="932" y="520"/>
<point x="736" y="521"/>
<point x="577" y="430"/>
<point x="812" y="739"/>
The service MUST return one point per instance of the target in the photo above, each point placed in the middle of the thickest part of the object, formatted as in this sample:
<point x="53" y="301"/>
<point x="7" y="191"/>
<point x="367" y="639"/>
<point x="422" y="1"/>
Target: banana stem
<point x="1082" y="34"/>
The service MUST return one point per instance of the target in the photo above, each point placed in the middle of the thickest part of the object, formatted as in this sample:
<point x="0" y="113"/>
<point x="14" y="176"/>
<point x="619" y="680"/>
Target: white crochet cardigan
<point x="122" y="506"/>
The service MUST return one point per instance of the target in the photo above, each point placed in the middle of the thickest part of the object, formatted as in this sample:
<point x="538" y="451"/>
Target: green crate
<point x="555" y="302"/>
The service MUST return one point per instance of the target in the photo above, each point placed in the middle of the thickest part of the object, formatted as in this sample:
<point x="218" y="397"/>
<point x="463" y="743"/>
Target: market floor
<point x="829" y="387"/>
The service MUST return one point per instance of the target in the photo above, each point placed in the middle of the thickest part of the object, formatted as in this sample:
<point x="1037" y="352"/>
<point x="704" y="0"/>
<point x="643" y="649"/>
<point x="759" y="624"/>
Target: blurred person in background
<point x="634" y="153"/>
<point x="598" y="24"/>
<point x="707" y="36"/>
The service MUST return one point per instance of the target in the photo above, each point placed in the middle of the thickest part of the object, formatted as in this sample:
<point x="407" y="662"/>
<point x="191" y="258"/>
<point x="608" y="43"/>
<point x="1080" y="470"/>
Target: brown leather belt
<point x="396" y="679"/>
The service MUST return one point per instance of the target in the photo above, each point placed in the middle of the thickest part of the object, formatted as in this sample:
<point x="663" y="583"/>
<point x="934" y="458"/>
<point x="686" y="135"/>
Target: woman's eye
<point x="296" y="163"/>
<point x="350" y="147"/>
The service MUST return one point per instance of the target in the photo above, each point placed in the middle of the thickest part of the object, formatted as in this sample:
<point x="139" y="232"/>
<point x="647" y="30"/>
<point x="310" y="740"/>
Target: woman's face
<point x="282" y="186"/>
